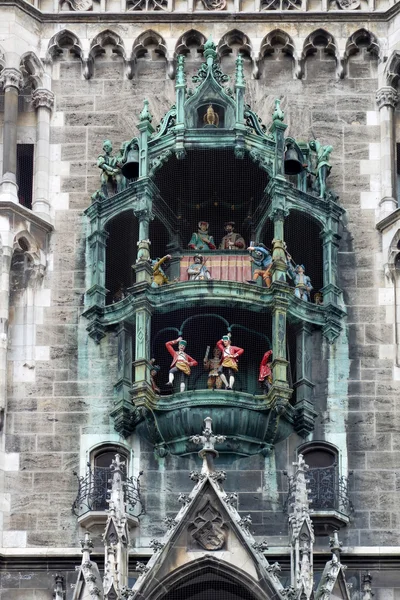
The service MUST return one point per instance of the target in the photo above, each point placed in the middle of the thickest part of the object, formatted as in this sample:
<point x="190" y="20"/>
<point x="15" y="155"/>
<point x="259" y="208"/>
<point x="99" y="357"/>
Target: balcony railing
<point x="328" y="491"/>
<point x="94" y="492"/>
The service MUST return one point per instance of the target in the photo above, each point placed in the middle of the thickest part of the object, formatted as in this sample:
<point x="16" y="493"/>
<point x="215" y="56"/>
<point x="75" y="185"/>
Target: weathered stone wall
<point x="59" y="409"/>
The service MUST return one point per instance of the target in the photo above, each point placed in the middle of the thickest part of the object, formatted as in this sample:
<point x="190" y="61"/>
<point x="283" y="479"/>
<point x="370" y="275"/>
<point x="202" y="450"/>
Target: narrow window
<point x="102" y="475"/>
<point x="25" y="174"/>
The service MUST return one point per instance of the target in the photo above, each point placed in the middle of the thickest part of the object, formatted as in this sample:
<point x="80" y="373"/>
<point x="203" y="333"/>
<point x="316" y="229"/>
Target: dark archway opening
<point x="209" y="586"/>
<point x="250" y="331"/>
<point x="214" y="186"/>
<point x="123" y="234"/>
<point x="304" y="244"/>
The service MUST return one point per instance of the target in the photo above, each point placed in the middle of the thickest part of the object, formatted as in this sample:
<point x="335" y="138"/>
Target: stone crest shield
<point x="208" y="528"/>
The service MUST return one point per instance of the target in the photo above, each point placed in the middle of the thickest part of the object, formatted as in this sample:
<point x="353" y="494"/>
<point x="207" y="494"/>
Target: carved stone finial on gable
<point x="208" y="452"/>
<point x="366" y="590"/>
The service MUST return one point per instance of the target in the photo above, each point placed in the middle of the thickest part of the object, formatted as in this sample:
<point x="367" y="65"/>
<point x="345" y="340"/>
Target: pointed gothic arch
<point x="146" y="39"/>
<point x="232" y="38"/>
<point x="197" y="577"/>
<point x="310" y="47"/>
<point x="190" y="38"/>
<point x="32" y="69"/>
<point x="64" y="39"/>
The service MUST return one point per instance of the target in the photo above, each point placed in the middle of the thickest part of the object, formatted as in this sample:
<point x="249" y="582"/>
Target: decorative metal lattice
<point x="327" y="490"/>
<point x="281" y="4"/>
<point x="94" y="492"/>
<point x="147" y="5"/>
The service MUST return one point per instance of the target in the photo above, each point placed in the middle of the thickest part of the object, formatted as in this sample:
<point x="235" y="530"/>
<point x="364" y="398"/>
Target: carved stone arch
<point x="28" y="259"/>
<point x="198" y="573"/>
<point x="191" y="37"/>
<point x="363" y="37"/>
<point x="32" y="70"/>
<point x="146" y="39"/>
<point x="236" y="42"/>
<point x="234" y="38"/>
<point x="392" y="69"/>
<point x="310" y="47"/>
<point x="98" y="48"/>
<point x="147" y="45"/>
<point x="62" y="40"/>
<point x="355" y="43"/>
<point x="394" y="252"/>
<point x="281" y="39"/>
<point x="107" y="38"/>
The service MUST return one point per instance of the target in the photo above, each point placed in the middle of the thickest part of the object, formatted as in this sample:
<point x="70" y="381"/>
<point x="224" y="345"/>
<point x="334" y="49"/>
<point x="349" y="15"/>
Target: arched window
<point x="323" y="474"/>
<point x="100" y="463"/>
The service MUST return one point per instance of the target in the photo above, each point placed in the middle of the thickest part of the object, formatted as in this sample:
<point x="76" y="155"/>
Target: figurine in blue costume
<point x="262" y="259"/>
<point x="301" y="281"/>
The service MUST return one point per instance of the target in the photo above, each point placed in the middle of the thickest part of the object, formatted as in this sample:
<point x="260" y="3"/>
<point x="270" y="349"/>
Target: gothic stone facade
<point x="335" y="71"/>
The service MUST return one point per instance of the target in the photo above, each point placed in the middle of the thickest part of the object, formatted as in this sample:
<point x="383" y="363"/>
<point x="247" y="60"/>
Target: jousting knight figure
<point x="229" y="361"/>
<point x="198" y="271"/>
<point x="181" y="362"/>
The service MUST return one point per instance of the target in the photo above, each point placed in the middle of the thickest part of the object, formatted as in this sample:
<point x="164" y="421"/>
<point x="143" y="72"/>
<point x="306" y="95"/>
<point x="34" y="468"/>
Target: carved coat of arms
<point x="208" y="528"/>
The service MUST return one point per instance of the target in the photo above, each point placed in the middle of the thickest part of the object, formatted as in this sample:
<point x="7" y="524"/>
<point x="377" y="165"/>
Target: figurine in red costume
<point x="265" y="376"/>
<point x="229" y="361"/>
<point x="181" y="362"/>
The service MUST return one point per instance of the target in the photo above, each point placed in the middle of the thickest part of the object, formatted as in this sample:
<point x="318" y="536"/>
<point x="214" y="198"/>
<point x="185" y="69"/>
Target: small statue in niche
<point x="181" y="362"/>
<point x="202" y="240"/>
<point x="262" y="259"/>
<point x="212" y="365"/>
<point x="159" y="277"/>
<point x="120" y="294"/>
<point x="198" y="271"/>
<point x="154" y="370"/>
<point x="111" y="176"/>
<point x="211" y="119"/>
<point x="229" y="361"/>
<point x="323" y="166"/>
<point x="265" y="375"/>
<point x="301" y="281"/>
<point x="231" y="239"/>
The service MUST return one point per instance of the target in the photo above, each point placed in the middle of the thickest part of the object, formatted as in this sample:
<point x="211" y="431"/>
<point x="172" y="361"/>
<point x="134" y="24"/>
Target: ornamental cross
<point x="208" y="439"/>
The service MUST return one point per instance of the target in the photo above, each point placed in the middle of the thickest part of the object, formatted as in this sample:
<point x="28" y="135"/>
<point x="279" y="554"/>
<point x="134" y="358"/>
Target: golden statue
<point x="211" y="117"/>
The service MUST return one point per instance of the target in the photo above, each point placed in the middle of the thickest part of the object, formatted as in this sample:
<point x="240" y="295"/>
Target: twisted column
<point x="43" y="102"/>
<point x="386" y="99"/>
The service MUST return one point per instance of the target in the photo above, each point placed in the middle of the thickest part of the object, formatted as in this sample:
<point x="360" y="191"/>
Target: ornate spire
<point x="278" y="114"/>
<point x="180" y="71"/>
<point x="88" y="578"/>
<point x="145" y="114"/>
<point x="301" y="532"/>
<point x="239" y="75"/>
<point x="116" y="534"/>
<point x="208" y="452"/>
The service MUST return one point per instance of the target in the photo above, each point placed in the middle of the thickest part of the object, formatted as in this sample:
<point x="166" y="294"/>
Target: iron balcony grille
<point x="94" y="492"/>
<point x="327" y="490"/>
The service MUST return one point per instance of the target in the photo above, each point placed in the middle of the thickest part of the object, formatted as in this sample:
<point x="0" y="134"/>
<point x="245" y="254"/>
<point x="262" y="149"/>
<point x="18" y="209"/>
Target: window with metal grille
<point x="323" y="475"/>
<point x="102" y="475"/>
<point x="25" y="154"/>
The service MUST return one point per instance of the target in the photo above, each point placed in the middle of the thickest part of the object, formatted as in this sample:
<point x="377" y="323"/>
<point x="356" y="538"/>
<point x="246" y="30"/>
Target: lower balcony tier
<point x="251" y="424"/>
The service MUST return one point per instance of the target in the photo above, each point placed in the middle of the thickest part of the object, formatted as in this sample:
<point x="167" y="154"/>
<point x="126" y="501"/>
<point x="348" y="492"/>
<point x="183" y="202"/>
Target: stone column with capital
<point x="11" y="81"/>
<point x="386" y="98"/>
<point x="43" y="101"/>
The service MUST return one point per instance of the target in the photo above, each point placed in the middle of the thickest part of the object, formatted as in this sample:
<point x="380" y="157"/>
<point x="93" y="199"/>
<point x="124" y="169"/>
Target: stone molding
<point x="43" y="98"/>
<point x="386" y="96"/>
<point x="11" y="77"/>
